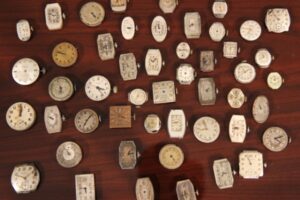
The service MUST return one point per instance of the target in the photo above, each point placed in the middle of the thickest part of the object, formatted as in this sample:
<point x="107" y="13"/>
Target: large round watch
<point x="244" y="73"/>
<point x="275" y="139"/>
<point x="92" y="14"/>
<point x="61" y="88"/>
<point x="250" y="30"/>
<point x="68" y="154"/>
<point x="171" y="156"/>
<point x="64" y="54"/>
<point x="217" y="31"/>
<point x="275" y="80"/>
<point x="138" y="97"/>
<point x="236" y="98"/>
<point x="86" y="121"/>
<point x="206" y="129"/>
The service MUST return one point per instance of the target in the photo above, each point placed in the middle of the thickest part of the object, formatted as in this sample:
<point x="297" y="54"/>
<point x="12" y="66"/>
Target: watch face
<point x="237" y="128"/>
<point x="61" y="88"/>
<point x="128" y="66"/>
<point x="217" y="31"/>
<point x="275" y="139"/>
<point x="183" y="50"/>
<point x="274" y="80"/>
<point x="25" y="178"/>
<point x="144" y="189"/>
<point x="236" y="98"/>
<point x="85" y="187"/>
<point x="250" y="30"/>
<point x="159" y="29"/>
<point x="163" y="92"/>
<point x="65" y="54"/>
<point x="128" y="28"/>
<point x="261" y="109"/>
<point x="97" y="88"/>
<point x="106" y="46"/>
<point x="152" y="123"/>
<point x="192" y="25"/>
<point x="185" y="74"/>
<point x="278" y="20"/>
<point x="251" y="164"/>
<point x="25" y="71"/>
<point x="53" y="15"/>
<point x="23" y="30"/>
<point x="53" y="119"/>
<point x="138" y="97"/>
<point x="127" y="155"/>
<point x="207" y="61"/>
<point x="92" y="14"/>
<point x="206" y="129"/>
<point x="185" y="190"/>
<point x="20" y="116"/>
<point x="168" y="6"/>
<point x="68" y="154"/>
<point x="220" y="8"/>
<point x="207" y="91"/>
<point x="223" y="174"/>
<point x="120" y="117"/>
<point x="171" y="156"/>
<point x="263" y="58"/>
<point x="118" y="5"/>
<point x="153" y="62"/>
<point x="176" y="123"/>
<point x="230" y="49"/>
<point x="86" y="121"/>
<point x="244" y="73"/>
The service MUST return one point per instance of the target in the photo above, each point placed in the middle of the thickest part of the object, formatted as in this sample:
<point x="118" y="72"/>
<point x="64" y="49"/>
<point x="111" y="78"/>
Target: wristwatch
<point x="275" y="80"/>
<point x="207" y="92"/>
<point x="138" y="97"/>
<point x="238" y="128"/>
<point x="92" y="14"/>
<point x="68" y="154"/>
<point x="223" y="173"/>
<point x="144" y="189"/>
<point x="244" y="73"/>
<point x="261" y="109"/>
<point x="192" y="25"/>
<point x="128" y="154"/>
<point x="61" y="88"/>
<point x="206" y="129"/>
<point x="128" y="66"/>
<point x="185" y="74"/>
<point x="185" y="190"/>
<point x="24" y="30"/>
<point x="168" y="6"/>
<point x="128" y="28"/>
<point x="54" y="16"/>
<point x="250" y="30"/>
<point x="183" y="50"/>
<point x="152" y="124"/>
<point x="120" y="117"/>
<point x="220" y="8"/>
<point x="236" y="98"/>
<point x="53" y="119"/>
<point x="159" y="29"/>
<point x="251" y="164"/>
<point x="263" y="58"/>
<point x="87" y="120"/>
<point x="106" y="46"/>
<point x="275" y="139"/>
<point x="171" y="156"/>
<point x="177" y="123"/>
<point x="230" y="49"/>
<point x="217" y="32"/>
<point x="85" y="187"/>
<point x="153" y="62"/>
<point x="64" y="54"/>
<point x="278" y="20"/>
<point x="207" y="61"/>
<point x="118" y="5"/>
<point x="164" y="92"/>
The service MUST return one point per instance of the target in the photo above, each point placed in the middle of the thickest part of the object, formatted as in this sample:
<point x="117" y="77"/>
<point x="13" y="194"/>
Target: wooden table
<point x="282" y="177"/>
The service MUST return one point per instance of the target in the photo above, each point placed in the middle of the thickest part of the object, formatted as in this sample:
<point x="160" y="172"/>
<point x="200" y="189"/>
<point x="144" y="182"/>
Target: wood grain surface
<point x="282" y="177"/>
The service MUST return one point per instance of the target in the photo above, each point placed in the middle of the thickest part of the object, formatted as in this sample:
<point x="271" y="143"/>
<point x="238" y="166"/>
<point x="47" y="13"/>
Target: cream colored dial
<point x="250" y="30"/>
<point x="274" y="80"/>
<point x="138" y="96"/>
<point x="61" y="88"/>
<point x="92" y="14"/>
<point x="68" y="154"/>
<point x="278" y="20"/>
<point x="217" y="31"/>
<point x="64" y="54"/>
<point x="263" y="58"/>
<point x="171" y="156"/>
<point x="25" y="71"/>
<point x="251" y="164"/>
<point x="97" y="88"/>
<point x="152" y="123"/>
<point x="206" y="129"/>
<point x="275" y="139"/>
<point x="183" y="50"/>
<point x="244" y="73"/>
<point x="86" y="121"/>
<point x="236" y="98"/>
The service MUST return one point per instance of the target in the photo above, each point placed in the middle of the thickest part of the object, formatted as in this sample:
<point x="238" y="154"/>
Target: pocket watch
<point x="85" y="187"/>
<point x="238" y="128"/>
<point x="53" y="119"/>
<point x="192" y="25"/>
<point x="220" y="8"/>
<point x="128" y="155"/>
<point x="92" y="14"/>
<point x="138" y="97"/>
<point x="20" y="116"/>
<point x="64" y="54"/>
<point x="106" y="46"/>
<point x="263" y="58"/>
<point x="87" y="121"/>
<point x="185" y="74"/>
<point x="223" y="173"/>
<point x="128" y="66"/>
<point x="261" y="109"/>
<point x="177" y="123"/>
<point x="164" y="92"/>
<point x="206" y="129"/>
<point x="171" y="156"/>
<point x="61" y="88"/>
<point x="278" y="20"/>
<point x="118" y="5"/>
<point x="68" y="154"/>
<point x="144" y="189"/>
<point x="54" y="16"/>
<point x="153" y="62"/>
<point x="26" y="71"/>
<point x="152" y="123"/>
<point x="275" y="80"/>
<point x="25" y="178"/>
<point x="275" y="139"/>
<point x="207" y="61"/>
<point x="168" y="6"/>
<point x="217" y="32"/>
<point x="207" y="92"/>
<point x="120" y="117"/>
<point x="128" y="28"/>
<point x="244" y="73"/>
<point x="230" y="50"/>
<point x="183" y="50"/>
<point x="251" y="164"/>
<point x="185" y="190"/>
<point x="159" y="29"/>
<point x="24" y="30"/>
<point x="250" y="30"/>
<point x="98" y="88"/>
<point x="236" y="98"/>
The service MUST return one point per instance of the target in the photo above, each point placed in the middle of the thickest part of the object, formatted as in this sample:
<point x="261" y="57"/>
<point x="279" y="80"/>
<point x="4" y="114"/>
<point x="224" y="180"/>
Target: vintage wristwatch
<point x="261" y="109"/>
<point x="118" y="5"/>
<point x="276" y="139"/>
<point x="177" y="123"/>
<point x="128" y="154"/>
<point x="25" y="178"/>
<point x="207" y="61"/>
<point x="217" y="32"/>
<point x="238" y="128"/>
<point x="92" y="14"/>
<point x="120" y="117"/>
<point x="220" y="8"/>
<point x="223" y="173"/>
<point x="152" y="124"/>
<point x="26" y="71"/>
<point x="153" y="62"/>
<point x="236" y="98"/>
<point x="128" y="66"/>
<point x="87" y="120"/>
<point x="206" y="129"/>
<point x="61" y="88"/>
<point x="53" y="119"/>
<point x="68" y="154"/>
<point x="250" y="30"/>
<point x="278" y="20"/>
<point x="171" y="156"/>
<point x="263" y="58"/>
<point x="138" y="97"/>
<point x="192" y="25"/>
<point x="106" y="46"/>
<point x="251" y="164"/>
<point x="164" y="92"/>
<point x="230" y="49"/>
<point x="275" y="80"/>
<point x="207" y="91"/>
<point x="85" y="187"/>
<point x="54" y="16"/>
<point x="185" y="74"/>
<point x="168" y="6"/>
<point x="244" y="73"/>
<point x="64" y="54"/>
<point x="159" y="28"/>
<point x="144" y="189"/>
<point x="24" y="30"/>
<point x="185" y="190"/>
<point x="183" y="50"/>
<point x="128" y="28"/>
<point x="20" y="116"/>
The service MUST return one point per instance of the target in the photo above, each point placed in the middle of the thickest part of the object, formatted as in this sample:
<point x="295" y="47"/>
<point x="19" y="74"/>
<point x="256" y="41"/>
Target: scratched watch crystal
<point x="164" y="92"/>
<point x="128" y="66"/>
<point x="68" y="154"/>
<point x="86" y="121"/>
<point x="64" y="54"/>
<point x="168" y="6"/>
<point x="207" y="61"/>
<point x="171" y="156"/>
<point x="61" y="88"/>
<point x="207" y="92"/>
<point x="106" y="46"/>
<point x="92" y="14"/>
<point x="275" y="139"/>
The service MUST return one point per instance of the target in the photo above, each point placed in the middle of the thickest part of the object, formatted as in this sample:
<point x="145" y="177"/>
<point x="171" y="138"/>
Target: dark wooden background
<point x="282" y="177"/>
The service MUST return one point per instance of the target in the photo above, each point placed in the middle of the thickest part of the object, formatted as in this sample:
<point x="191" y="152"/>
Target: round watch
<point x="61" y="88"/>
<point x="68" y="154"/>
<point x="275" y="80"/>
<point x="236" y="98"/>
<point x="244" y="73"/>
<point x="20" y="116"/>
<point x="98" y="88"/>
<point x="92" y="14"/>
<point x="168" y="6"/>
<point x="250" y="30"/>
<point x="64" y="54"/>
<point x="171" y="156"/>
<point x="275" y="139"/>
<point x="152" y="123"/>
<point x="183" y="50"/>
<point x="206" y="129"/>
<point x="138" y="97"/>
<point x="86" y="121"/>
<point x="263" y="58"/>
<point x="217" y="31"/>
<point x="185" y="74"/>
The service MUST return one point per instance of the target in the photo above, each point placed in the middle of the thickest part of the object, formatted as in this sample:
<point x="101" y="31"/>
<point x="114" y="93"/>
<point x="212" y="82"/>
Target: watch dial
<point x="85" y="187"/>
<point x="159" y="29"/>
<point x="144" y="189"/>
<point x="244" y="73"/>
<point x="261" y="109"/>
<point x="68" y="154"/>
<point x="163" y="92"/>
<point x="65" y="54"/>
<point x="128" y="66"/>
<point x="250" y="30"/>
<point x="106" y="46"/>
<point x="25" y="71"/>
<point x="237" y="128"/>
<point x="128" y="28"/>
<point x="185" y="190"/>
<point x="274" y="80"/>
<point x="127" y="155"/>
<point x="192" y="25"/>
<point x="263" y="58"/>
<point x="278" y="20"/>
<point x="275" y="139"/>
<point x="236" y="98"/>
<point x="207" y="91"/>
<point x="230" y="49"/>
<point x="183" y="50"/>
<point x="171" y="156"/>
<point x="23" y="30"/>
<point x="53" y="119"/>
<point x="152" y="123"/>
<point x="220" y="8"/>
<point x="138" y="97"/>
<point x="120" y="117"/>
<point x="251" y="164"/>
<point x="217" y="31"/>
<point x="97" y="88"/>
<point x="223" y="173"/>
<point x="206" y="129"/>
<point x="61" y="88"/>
<point x="86" y="121"/>
<point x="92" y="14"/>
<point x="153" y="62"/>
<point x="185" y="74"/>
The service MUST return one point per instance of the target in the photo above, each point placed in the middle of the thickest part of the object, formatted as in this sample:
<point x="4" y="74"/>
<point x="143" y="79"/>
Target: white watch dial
<point x="25" y="71"/>
<point x="61" y="88"/>
<point x="118" y="5"/>
<point x="274" y="80"/>
<point x="85" y="187"/>
<point x="185" y="74"/>
<point x="183" y="50"/>
<point x="54" y="16"/>
<point x="176" y="123"/>
<point x="236" y="98"/>
<point x="68" y="154"/>
<point x="23" y="30"/>
<point x="223" y="173"/>
<point x="86" y="121"/>
<point x="220" y="8"/>
<point x="168" y="6"/>
<point x="128" y="28"/>
<point x="263" y="58"/>
<point x="278" y="20"/>
<point x="275" y="139"/>
<point x="138" y="96"/>
<point x="164" y="92"/>
<point x="261" y="109"/>
<point x="171" y="156"/>
<point x="52" y="119"/>
<point x="192" y="25"/>
<point x="237" y="128"/>
<point x="97" y="88"/>
<point x="92" y="14"/>
<point x="152" y="123"/>
<point x="244" y="73"/>
<point x="144" y="189"/>
<point x="217" y="31"/>
<point x="206" y="129"/>
<point x="159" y="29"/>
<point x="230" y="50"/>
<point x="153" y="62"/>
<point x="251" y="164"/>
<point x="250" y="30"/>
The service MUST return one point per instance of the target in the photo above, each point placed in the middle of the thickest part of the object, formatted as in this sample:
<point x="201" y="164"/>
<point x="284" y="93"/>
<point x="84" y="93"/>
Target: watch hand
<point x="20" y="110"/>
<point x="99" y="88"/>
<point x="20" y="176"/>
<point x="249" y="161"/>
<point x="60" y="52"/>
<point x="93" y="14"/>
<point x="49" y="117"/>
<point x="60" y="89"/>
<point x="277" y="139"/>
<point x="87" y="120"/>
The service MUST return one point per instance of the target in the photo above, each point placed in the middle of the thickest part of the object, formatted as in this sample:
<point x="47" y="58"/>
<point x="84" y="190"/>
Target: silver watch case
<point x="164" y="92"/>
<point x="168" y="6"/>
<point x="177" y="123"/>
<point x="185" y="190"/>
<point x="192" y="25"/>
<point x="124" y="145"/>
<point x="152" y="124"/>
<point x="144" y="189"/>
<point x="128" y="66"/>
<point x="119" y="6"/>
<point x="223" y="173"/>
<point x="106" y="46"/>
<point x="238" y="128"/>
<point x="53" y="113"/>
<point x="153" y="62"/>
<point x="24" y="30"/>
<point x="207" y="92"/>
<point x="185" y="74"/>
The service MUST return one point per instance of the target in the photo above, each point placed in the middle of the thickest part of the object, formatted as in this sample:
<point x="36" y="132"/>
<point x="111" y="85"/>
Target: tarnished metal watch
<point x="185" y="74"/>
<point x="128" y="66"/>
<point x="223" y="173"/>
<point x="183" y="50"/>
<point x="207" y="92"/>
<point x="53" y="119"/>
<point x="144" y="189"/>
<point x="128" y="28"/>
<point x="54" y="16"/>
<point x="152" y="124"/>
<point x="220" y="8"/>
<point x="168" y="6"/>
<point x="177" y="123"/>
<point x="24" y="30"/>
<point x="106" y="46"/>
<point x="261" y="109"/>
<point x="85" y="187"/>
<point x="207" y="61"/>
<point x="153" y="62"/>
<point x="171" y="156"/>
<point x="118" y="5"/>
<point x="185" y="190"/>
<point x="192" y="25"/>
<point x="278" y="20"/>
<point x="276" y="139"/>
<point x="164" y="92"/>
<point x="236" y="98"/>
<point x="128" y="154"/>
<point x="230" y="49"/>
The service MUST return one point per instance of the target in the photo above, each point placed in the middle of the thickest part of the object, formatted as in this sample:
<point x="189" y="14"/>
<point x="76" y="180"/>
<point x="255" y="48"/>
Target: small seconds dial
<point x="64" y="54"/>
<point x="86" y="121"/>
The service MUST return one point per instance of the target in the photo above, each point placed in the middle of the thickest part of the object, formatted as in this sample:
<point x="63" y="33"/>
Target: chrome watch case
<point x="106" y="46"/>
<point x="177" y="123"/>
<point x="128" y="66"/>
<point x="207" y="92"/>
<point x="223" y="173"/>
<point x="164" y="92"/>
<point x="24" y="30"/>
<point x="192" y="25"/>
<point x="153" y="62"/>
<point x="185" y="190"/>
